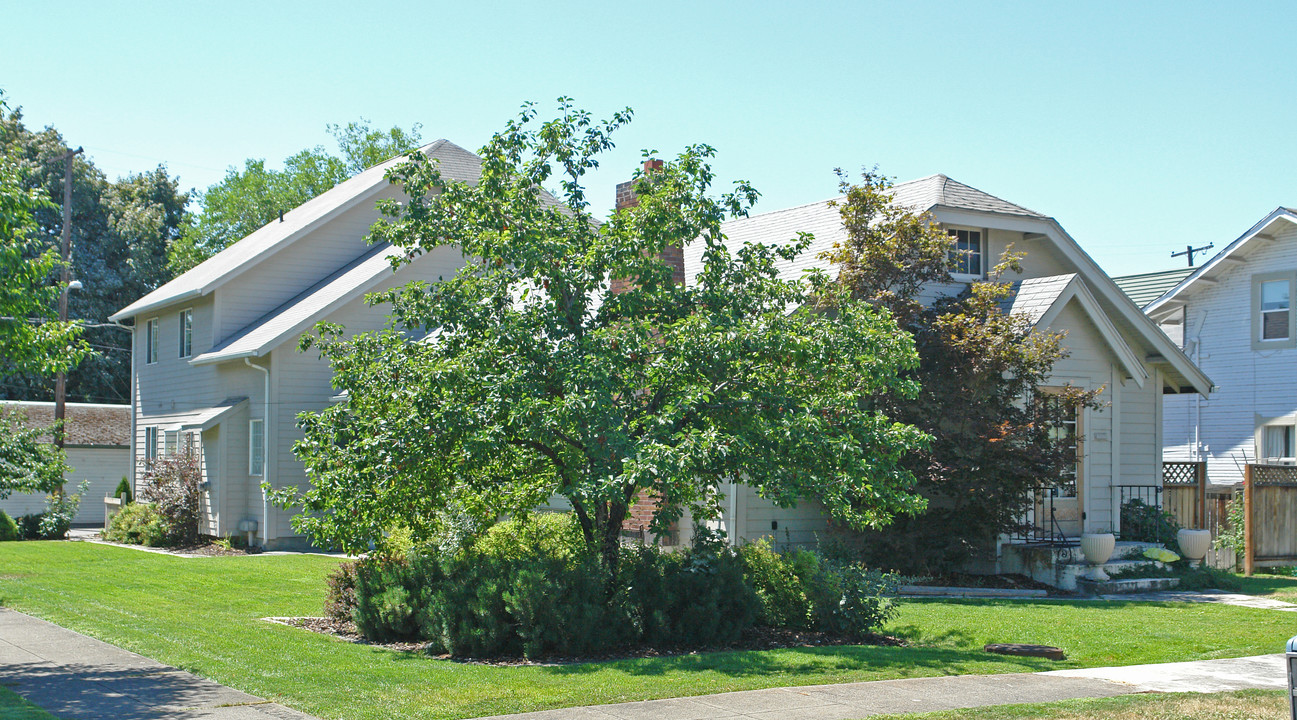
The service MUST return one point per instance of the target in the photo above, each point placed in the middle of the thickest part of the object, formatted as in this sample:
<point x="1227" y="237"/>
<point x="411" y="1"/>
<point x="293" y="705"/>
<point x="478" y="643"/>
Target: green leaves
<point x="565" y="358"/>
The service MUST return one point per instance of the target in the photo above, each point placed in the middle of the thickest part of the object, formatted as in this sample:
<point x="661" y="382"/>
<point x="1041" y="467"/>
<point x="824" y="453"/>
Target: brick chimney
<point x="672" y="255"/>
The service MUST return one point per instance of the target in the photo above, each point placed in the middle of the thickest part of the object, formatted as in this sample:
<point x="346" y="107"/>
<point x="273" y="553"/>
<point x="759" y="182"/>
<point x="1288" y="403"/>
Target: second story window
<point x="186" y="332"/>
<point x="966" y="252"/>
<point x="151" y="341"/>
<point x="1275" y="306"/>
<point x="1278" y="443"/>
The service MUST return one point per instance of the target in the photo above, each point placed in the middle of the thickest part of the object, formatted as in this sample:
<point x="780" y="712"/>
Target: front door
<point x="1063" y="500"/>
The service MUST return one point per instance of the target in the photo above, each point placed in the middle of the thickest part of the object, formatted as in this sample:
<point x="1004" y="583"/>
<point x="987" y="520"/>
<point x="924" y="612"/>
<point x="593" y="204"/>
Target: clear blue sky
<point x="1141" y="127"/>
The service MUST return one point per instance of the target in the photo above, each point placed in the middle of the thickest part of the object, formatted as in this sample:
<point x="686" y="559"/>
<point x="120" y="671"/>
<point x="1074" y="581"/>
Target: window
<point x="1275" y="305"/>
<point x="1066" y="431"/>
<point x="966" y="252"/>
<point x="1277" y="442"/>
<point x="256" y="447"/>
<point x="150" y="443"/>
<point x="1273" y="325"/>
<point x="172" y="442"/>
<point x="151" y="341"/>
<point x="186" y="332"/>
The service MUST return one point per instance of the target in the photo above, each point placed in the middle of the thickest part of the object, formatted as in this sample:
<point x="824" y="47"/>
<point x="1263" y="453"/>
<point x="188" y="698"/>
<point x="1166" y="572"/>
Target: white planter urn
<point x="1097" y="548"/>
<point x="1194" y="545"/>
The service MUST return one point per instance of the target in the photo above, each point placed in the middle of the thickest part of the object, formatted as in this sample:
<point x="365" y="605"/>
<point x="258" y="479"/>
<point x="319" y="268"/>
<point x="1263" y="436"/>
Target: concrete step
<point x="1127" y="586"/>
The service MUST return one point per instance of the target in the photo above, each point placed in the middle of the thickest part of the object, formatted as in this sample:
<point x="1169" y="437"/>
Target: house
<point x="215" y="363"/>
<point x="96" y="439"/>
<point x="1233" y="316"/>
<point x="1112" y="345"/>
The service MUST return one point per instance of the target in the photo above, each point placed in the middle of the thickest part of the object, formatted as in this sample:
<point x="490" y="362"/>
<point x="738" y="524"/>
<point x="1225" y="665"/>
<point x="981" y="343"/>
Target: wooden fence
<point x="1184" y="492"/>
<point x="1270" y="516"/>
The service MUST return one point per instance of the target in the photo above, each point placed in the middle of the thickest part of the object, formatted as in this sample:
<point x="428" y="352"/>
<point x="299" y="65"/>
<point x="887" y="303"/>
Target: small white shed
<point x="97" y="441"/>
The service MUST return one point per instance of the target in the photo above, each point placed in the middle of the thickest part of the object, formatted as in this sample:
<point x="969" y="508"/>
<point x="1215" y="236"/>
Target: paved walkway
<point x="859" y="700"/>
<point x="79" y="678"/>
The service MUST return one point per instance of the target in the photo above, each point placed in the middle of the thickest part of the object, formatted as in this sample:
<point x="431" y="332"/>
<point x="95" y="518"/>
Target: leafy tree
<point x="249" y="198"/>
<point x="532" y="379"/>
<point x="120" y="234"/>
<point x="994" y="438"/>
<point x="31" y="339"/>
<point x="29" y="462"/>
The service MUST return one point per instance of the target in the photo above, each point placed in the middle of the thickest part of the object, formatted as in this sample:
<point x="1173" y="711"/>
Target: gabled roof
<point x="1041" y="300"/>
<point x="1144" y="288"/>
<point x="455" y="162"/>
<point x="296" y="315"/>
<point x="1229" y="253"/>
<point x="938" y="193"/>
<point x="84" y="424"/>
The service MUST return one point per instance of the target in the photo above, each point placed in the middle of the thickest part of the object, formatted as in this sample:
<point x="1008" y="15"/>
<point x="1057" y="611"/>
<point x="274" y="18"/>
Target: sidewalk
<point x="859" y="700"/>
<point x="79" y="678"/>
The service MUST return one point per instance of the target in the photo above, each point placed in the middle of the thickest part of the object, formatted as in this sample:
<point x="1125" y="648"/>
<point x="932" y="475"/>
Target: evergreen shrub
<point x="29" y="526"/>
<point x="138" y="524"/>
<point x="8" y="528"/>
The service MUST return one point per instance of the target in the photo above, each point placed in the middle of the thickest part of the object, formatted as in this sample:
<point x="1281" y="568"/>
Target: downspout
<point x="265" y="449"/>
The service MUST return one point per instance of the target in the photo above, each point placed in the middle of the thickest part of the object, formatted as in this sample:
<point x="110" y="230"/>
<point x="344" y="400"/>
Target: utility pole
<point x="1190" y="250"/>
<point x="60" y="381"/>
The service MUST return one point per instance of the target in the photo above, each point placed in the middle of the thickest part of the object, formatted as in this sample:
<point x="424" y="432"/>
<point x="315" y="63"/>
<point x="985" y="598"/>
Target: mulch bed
<point x="205" y="547"/>
<point x="761" y="638"/>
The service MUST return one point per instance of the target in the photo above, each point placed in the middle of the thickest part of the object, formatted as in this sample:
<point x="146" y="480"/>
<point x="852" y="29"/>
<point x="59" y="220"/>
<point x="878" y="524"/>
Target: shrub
<point x="8" y="528"/>
<point x="1142" y="522"/>
<point x="868" y="601"/>
<point x="340" y="598"/>
<point x="387" y="592"/>
<point x="783" y="601"/>
<point x="696" y="598"/>
<point x="60" y="509"/>
<point x="173" y="485"/>
<point x="137" y="524"/>
<point x="29" y="526"/>
<point x="545" y="535"/>
<point x="123" y="490"/>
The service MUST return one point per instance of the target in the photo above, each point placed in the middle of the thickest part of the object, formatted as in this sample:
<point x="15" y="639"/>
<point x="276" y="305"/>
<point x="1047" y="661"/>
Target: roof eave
<point x="1280" y="213"/>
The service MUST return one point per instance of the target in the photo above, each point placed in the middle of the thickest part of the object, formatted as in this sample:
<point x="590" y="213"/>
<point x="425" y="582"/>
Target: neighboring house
<point x="97" y="440"/>
<point x="215" y="361"/>
<point x="1233" y="315"/>
<point x="1111" y="344"/>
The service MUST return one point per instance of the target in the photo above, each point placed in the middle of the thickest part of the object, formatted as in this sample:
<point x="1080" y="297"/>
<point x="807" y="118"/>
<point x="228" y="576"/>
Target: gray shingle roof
<point x="939" y="190"/>
<point x="1033" y="297"/>
<point x="1144" y="288"/>
<point x="825" y="223"/>
<point x="455" y="162"/>
<point x="84" y="424"/>
<point x="298" y="313"/>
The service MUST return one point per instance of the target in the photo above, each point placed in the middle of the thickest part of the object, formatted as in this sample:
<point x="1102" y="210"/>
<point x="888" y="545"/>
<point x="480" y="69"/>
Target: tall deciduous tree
<point x="995" y="438"/>
<point x="249" y="198"/>
<point x="120" y="234"/>
<point x="532" y="380"/>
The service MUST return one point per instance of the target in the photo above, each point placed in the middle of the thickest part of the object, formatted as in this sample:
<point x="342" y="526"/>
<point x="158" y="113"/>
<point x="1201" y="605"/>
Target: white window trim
<point x="256" y="429"/>
<point x="187" y="332"/>
<point x="982" y="242"/>
<point x="171" y="442"/>
<point x="1262" y="448"/>
<point x="151" y="341"/>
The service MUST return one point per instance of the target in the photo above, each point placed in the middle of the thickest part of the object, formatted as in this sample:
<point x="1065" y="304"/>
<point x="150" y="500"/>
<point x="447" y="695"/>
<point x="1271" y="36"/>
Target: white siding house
<point x="1112" y="345"/>
<point x="234" y="389"/>
<point x="1233" y="315"/>
<point x="96" y="439"/>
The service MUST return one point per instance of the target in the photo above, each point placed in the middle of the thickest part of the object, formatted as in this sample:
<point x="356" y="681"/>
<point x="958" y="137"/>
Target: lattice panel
<point x="1179" y="473"/>
<point x="1274" y="474"/>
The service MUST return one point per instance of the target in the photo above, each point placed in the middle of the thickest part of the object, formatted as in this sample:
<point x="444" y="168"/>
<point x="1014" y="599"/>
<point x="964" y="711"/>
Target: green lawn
<point x="13" y="707"/>
<point x="1242" y="705"/>
<point x="1272" y="586"/>
<point x="203" y="615"/>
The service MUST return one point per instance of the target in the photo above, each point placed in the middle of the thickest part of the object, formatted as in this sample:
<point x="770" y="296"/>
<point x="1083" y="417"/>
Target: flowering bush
<point x="173" y="485"/>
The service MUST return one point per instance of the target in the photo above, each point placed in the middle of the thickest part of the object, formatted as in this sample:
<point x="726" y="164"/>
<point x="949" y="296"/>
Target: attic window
<point x="965" y="252"/>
